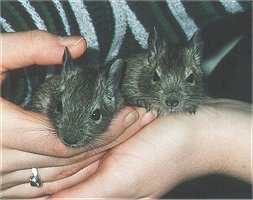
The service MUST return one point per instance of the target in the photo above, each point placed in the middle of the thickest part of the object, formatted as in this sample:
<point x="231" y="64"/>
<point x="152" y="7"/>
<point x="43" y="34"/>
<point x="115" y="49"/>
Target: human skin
<point x="173" y="149"/>
<point x="26" y="137"/>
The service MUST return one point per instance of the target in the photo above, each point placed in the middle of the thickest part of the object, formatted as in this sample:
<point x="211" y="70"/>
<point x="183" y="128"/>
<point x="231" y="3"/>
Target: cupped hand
<point x="171" y="150"/>
<point x="27" y="139"/>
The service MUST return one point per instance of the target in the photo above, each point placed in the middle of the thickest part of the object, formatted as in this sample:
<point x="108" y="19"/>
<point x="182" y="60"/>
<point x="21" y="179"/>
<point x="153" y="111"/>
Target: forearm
<point x="222" y="142"/>
<point x="217" y="139"/>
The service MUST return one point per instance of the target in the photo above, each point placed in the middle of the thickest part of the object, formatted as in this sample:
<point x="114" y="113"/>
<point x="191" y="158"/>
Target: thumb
<point x="36" y="47"/>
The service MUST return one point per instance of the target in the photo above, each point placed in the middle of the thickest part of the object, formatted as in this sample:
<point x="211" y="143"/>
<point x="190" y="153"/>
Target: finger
<point x="39" y="161"/>
<point x="126" y="131"/>
<point x="30" y="132"/>
<point x="48" y="188"/>
<point x="28" y="137"/>
<point x="144" y="119"/>
<point x="37" y="47"/>
<point x="97" y="186"/>
<point x="26" y="160"/>
<point x="47" y="174"/>
<point x="123" y="127"/>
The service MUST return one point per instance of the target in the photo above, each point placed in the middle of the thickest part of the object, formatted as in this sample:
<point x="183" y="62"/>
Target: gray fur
<point x="157" y="78"/>
<point x="71" y="98"/>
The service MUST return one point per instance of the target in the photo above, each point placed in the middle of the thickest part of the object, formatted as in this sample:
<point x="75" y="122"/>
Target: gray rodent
<point x="166" y="78"/>
<point x="80" y="101"/>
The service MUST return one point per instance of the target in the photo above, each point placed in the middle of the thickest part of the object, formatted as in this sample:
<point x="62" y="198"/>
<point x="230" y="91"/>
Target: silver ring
<point x="35" y="180"/>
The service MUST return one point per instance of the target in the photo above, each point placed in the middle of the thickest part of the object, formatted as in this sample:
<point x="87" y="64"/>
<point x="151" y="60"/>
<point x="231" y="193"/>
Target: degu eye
<point x="156" y="77"/>
<point x="190" y="78"/>
<point x="96" y="115"/>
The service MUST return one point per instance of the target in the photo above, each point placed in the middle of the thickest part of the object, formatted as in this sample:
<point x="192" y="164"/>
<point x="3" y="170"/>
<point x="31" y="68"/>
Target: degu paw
<point x="192" y="110"/>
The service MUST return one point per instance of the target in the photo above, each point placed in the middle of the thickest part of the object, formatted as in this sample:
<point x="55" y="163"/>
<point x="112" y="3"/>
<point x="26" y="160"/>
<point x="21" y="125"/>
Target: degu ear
<point x="195" y="46"/>
<point x="67" y="61"/>
<point x="115" y="76"/>
<point x="153" y="41"/>
<point x="153" y="44"/>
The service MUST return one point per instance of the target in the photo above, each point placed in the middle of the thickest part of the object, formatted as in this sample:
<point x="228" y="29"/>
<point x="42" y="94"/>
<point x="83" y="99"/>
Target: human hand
<point x="171" y="150"/>
<point x="27" y="140"/>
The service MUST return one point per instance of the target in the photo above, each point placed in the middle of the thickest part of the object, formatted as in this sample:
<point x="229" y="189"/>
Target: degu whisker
<point x="41" y="140"/>
<point x="39" y="122"/>
<point x="34" y="117"/>
<point x="37" y="130"/>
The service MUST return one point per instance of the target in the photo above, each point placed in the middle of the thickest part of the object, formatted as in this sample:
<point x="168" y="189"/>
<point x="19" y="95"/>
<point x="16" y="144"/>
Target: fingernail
<point x="154" y="113"/>
<point x="71" y="40"/>
<point x="149" y="117"/>
<point x="131" y="118"/>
